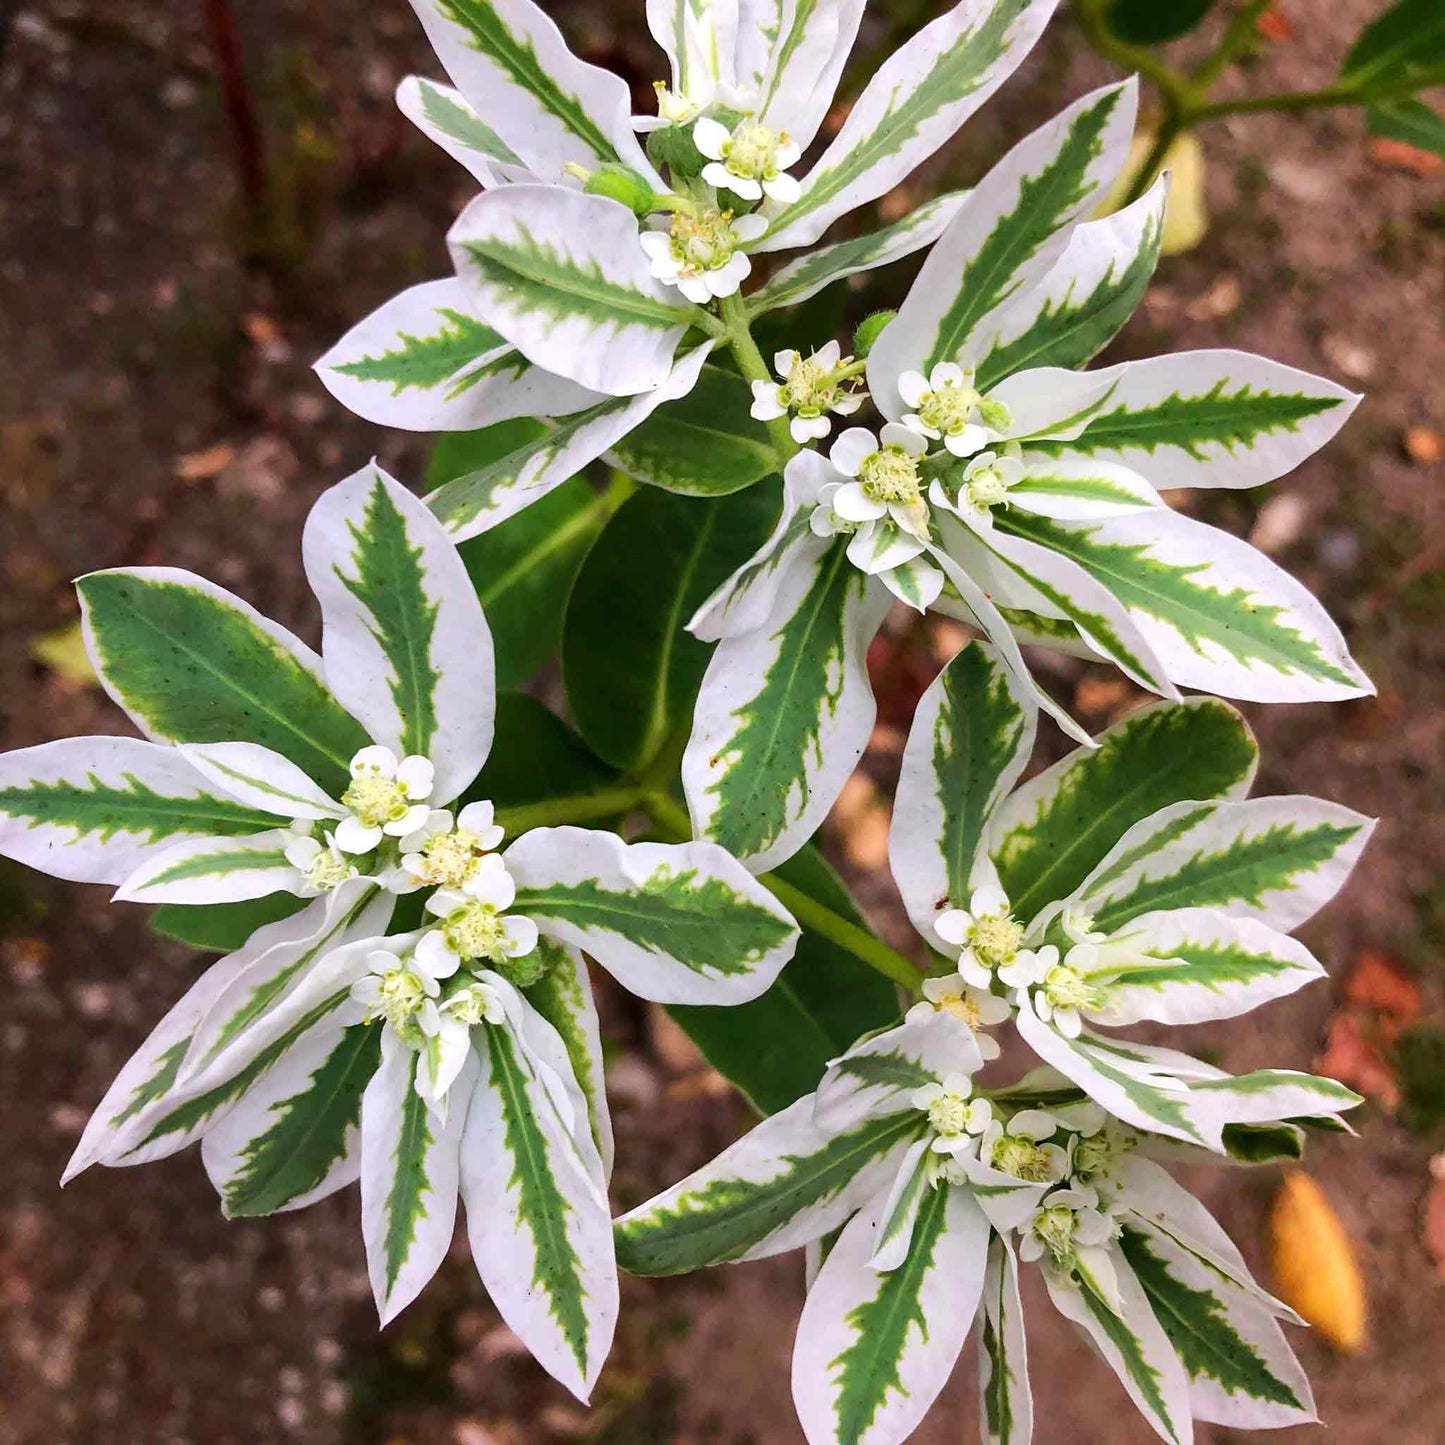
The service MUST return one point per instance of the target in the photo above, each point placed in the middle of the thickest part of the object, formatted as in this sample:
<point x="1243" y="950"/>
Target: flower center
<point x="328" y="869"/>
<point x="958" y="1003"/>
<point x="449" y="859"/>
<point x="475" y="931"/>
<point x="890" y="475"/>
<point x="948" y="408"/>
<point x="752" y="151"/>
<point x="702" y="241"/>
<point x="473" y="1003"/>
<point x="948" y="1115"/>
<point x="1096" y="1154"/>
<point x="1055" y="1227"/>
<point x="985" y="488"/>
<point x="811" y="389"/>
<point x="399" y="997"/>
<point x="1022" y="1158"/>
<point x="376" y="800"/>
<point x="1066" y="987"/>
<point x="672" y="105"/>
<point x="996" y="938"/>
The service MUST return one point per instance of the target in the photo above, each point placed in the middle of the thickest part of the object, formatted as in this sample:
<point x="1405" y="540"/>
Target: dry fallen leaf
<point x="201" y="466"/>
<point x="1379" y="999"/>
<point x="1432" y="1218"/>
<point x="1222" y="299"/>
<point x="1354" y="1055"/>
<point x="1375" y="981"/>
<point x="1398" y="155"/>
<point x="1273" y="26"/>
<point x="1425" y="445"/>
<point x="63" y="652"/>
<point x="1314" y="1265"/>
<point x="1186" y="218"/>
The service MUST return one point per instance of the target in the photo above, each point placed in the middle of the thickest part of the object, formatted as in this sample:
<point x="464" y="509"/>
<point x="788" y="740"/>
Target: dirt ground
<point x="157" y="405"/>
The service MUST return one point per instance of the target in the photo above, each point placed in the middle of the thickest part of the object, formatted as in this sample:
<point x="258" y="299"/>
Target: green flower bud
<point x="621" y="183"/>
<point x="869" y="330"/>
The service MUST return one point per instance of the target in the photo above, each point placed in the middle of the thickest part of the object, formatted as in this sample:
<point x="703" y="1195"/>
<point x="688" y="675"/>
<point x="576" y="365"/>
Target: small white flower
<point x="1058" y="992"/>
<point x="700" y="252"/>
<point x="749" y="160"/>
<point x="957" y="1120"/>
<point x="474" y="923"/>
<point x="322" y="865"/>
<point x="404" y="991"/>
<point x="386" y="798"/>
<point x="1072" y="1232"/>
<point x="810" y="388"/>
<point x="446" y="853"/>
<point x="985" y="485"/>
<point x="945" y="404"/>
<point x="882" y="480"/>
<point x="1018" y="1148"/>
<point x="986" y="934"/>
<point x="977" y="1007"/>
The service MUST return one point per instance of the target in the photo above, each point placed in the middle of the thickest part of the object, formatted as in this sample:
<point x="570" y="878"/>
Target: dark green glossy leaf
<point x="1153" y="22"/>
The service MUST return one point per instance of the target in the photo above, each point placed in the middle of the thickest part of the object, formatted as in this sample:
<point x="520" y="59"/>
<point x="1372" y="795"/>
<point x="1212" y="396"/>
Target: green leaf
<point x="222" y="927"/>
<point x="440" y="106"/>
<point x="1411" y="121"/>
<point x="630" y="667"/>
<point x="704" y="444"/>
<point x="1154" y="22"/>
<point x="457" y="453"/>
<point x="1403" y="47"/>
<point x="425" y="362"/>
<point x="1056" y="829"/>
<point x="524" y="571"/>
<point x="1263" y="1143"/>
<point x="777" y="1047"/>
<point x="193" y="665"/>
<point x="309" y="1136"/>
<point x="1132" y="1358"/>
<point x="410" y="1183"/>
<point x="535" y="757"/>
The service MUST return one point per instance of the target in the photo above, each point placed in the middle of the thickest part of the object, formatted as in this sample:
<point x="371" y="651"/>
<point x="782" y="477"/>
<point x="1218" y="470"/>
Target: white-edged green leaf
<point x="1241" y="1370"/>
<point x="874" y="1349"/>
<point x="1071" y="489"/>
<point x="1134" y="1345"/>
<point x="1265" y="1096"/>
<point x="278" y="960"/>
<point x="913" y="104"/>
<point x="261" y="779"/>
<point x="563" y="997"/>
<point x="783" y="1184"/>
<point x="479" y="500"/>
<point x="970" y="741"/>
<point x="294" y="1136"/>
<point x="1051" y="833"/>
<point x="901" y="1205"/>
<point x="1220" y="615"/>
<point x="676" y="923"/>
<point x="879" y="1074"/>
<point x="563" y="276"/>
<point x="446" y="116"/>
<point x="1190" y="965"/>
<point x="1278" y="860"/>
<point x="1006" y="1405"/>
<point x="406" y="646"/>
<point x="514" y="68"/>
<point x="1006" y="236"/>
<point x="808" y="49"/>
<point x="537" y="1220"/>
<point x="1212" y="419"/>
<point x="95" y="809"/>
<point x="410" y="1172"/>
<point x="214" y="870"/>
<point x="699" y="38"/>
<point x="426" y="361"/>
<point x="820" y="268"/>
<point x="192" y="663"/>
<point x="1077" y="308"/>
<point x="785" y="711"/>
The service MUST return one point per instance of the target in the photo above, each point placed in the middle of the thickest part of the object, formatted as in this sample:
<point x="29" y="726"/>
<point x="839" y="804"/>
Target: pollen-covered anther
<point x="1022" y="1158"/>
<point x="476" y="930"/>
<point x="996" y="937"/>
<point x="448" y="859"/>
<point x="890" y="475"/>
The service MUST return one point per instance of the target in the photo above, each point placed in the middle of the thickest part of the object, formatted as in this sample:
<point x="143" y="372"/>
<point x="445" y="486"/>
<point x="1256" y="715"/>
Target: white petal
<point x="710" y="136"/>
<point x="751" y="227"/>
<point x="375" y="758"/>
<point x="894" y="434"/>
<point x="783" y="188"/>
<point x="851" y="449"/>
<point x="521" y="934"/>
<point x="854" y="505"/>
<point x="353" y="836"/>
<point x="415" y="774"/>
<point x="805" y="429"/>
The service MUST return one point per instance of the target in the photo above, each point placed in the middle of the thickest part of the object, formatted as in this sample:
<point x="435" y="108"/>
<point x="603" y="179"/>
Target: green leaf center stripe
<point x="1044" y="203"/>
<point x="409" y="1181"/>
<point x="167" y="1070"/>
<point x="425" y="362"/>
<point x="309" y="1136"/>
<point x="391" y="584"/>
<point x="699" y="921"/>
<point x="997" y="1391"/>
<point x="1205" y="965"/>
<point x="957" y="72"/>
<point x="885" y="1071"/>
<point x="1231" y="419"/>
<point x="463" y="124"/>
<point x="1159" y="838"/>
<point x="1235" y="621"/>
<point x="1144" y="1375"/>
<point x="542" y="1208"/>
<point x="1158" y="1104"/>
<point x="1245" y="871"/>
<point x="536" y="274"/>
<point x="151" y="635"/>
<point x="783" y="722"/>
<point x="1068" y="331"/>
<point x="783" y="51"/>
<point x="727" y="1217"/>
<point x="104" y="809"/>
<point x="1198" y="1327"/>
<point x="219" y="865"/>
<point x="868" y="1370"/>
<point x="517" y="59"/>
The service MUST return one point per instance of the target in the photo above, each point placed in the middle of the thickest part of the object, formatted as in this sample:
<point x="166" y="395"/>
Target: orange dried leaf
<point x="1375" y="981"/>
<point x="1398" y="155"/>
<point x="1425" y="445"/>
<point x="1353" y="1056"/>
<point x="1314" y="1264"/>
<point x="1432" y="1220"/>
<point x="1273" y="26"/>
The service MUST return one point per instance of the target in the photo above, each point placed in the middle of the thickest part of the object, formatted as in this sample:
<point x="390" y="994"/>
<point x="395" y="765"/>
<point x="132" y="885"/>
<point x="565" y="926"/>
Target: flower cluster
<point x="406" y="1001"/>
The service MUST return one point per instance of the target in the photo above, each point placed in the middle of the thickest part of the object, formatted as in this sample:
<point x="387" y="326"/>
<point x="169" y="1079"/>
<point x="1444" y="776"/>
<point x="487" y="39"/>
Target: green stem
<point x="1170" y="129"/>
<point x="591" y="807"/>
<point x="1341" y="93"/>
<point x="1236" y="36"/>
<point x="739" y="334"/>
<point x="1172" y="86"/>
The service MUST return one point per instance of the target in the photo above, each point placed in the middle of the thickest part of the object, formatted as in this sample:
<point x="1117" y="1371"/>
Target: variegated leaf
<point x="785" y="712"/>
<point x="1220" y="615"/>
<point x="912" y="105"/>
<point x="699" y="38"/>
<point x="214" y="870"/>
<point x="446" y="116"/>
<point x="901" y="1206"/>
<point x="782" y="1185"/>
<point x="820" y="268"/>
<point x="261" y="779"/>
<point x="1076" y="309"/>
<point x="1006" y="1405"/>
<point x="406" y="646"/>
<point x="1265" y="1096"/>
<point x="563" y="276"/>
<point x="549" y="108"/>
<point x="479" y="500"/>
<point x="874" y="1349"/>
<point x="1213" y="419"/>
<point x="808" y="49"/>
<point x="425" y="361"/>
<point x="677" y="923"/>
<point x="1005" y="238"/>
<point x="192" y="663"/>
<point x="971" y="738"/>
<point x="95" y="809"/>
<point x="537" y="1220"/>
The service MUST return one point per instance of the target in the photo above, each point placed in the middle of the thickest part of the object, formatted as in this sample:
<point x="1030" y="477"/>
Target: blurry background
<point x="167" y="279"/>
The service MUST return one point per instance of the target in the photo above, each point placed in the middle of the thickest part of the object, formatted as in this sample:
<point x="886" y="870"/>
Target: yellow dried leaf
<point x="1186" y="218"/>
<point x="1314" y="1264"/>
<point x="63" y="652"/>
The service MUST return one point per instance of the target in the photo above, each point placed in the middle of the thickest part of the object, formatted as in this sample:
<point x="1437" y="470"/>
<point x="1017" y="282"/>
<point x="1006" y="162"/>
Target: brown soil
<point x="140" y="328"/>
